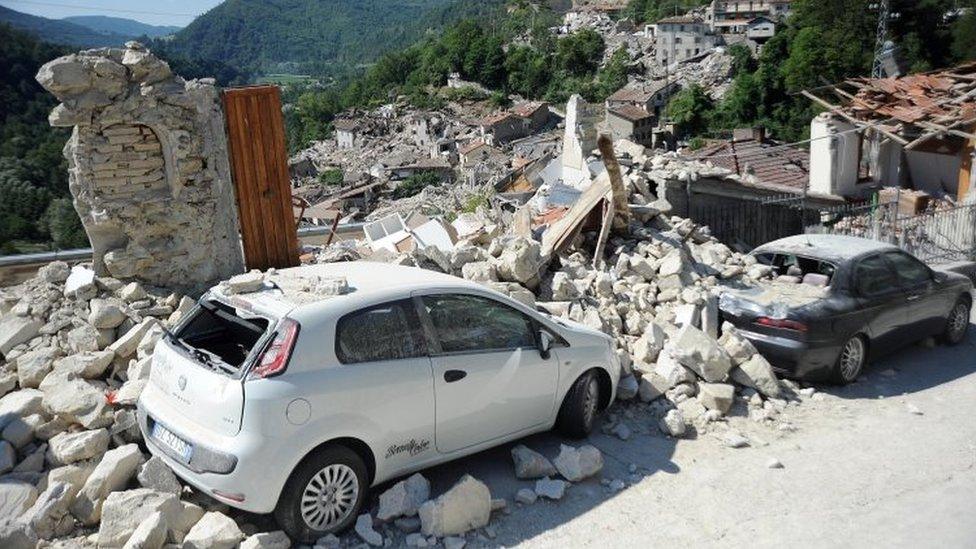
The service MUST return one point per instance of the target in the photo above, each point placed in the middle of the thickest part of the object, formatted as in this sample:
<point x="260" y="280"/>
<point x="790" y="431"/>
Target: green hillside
<point x="319" y="37"/>
<point x="59" y="31"/>
<point x="35" y="207"/>
<point x="121" y="26"/>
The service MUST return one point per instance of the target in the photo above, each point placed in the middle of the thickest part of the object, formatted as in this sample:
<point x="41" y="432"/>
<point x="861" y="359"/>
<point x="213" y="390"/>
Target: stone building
<point x="147" y="166"/>
<point x="734" y="16"/>
<point x="346" y="132"/>
<point x="632" y="123"/>
<point x="681" y="38"/>
<point x="503" y="127"/>
<point x="650" y="96"/>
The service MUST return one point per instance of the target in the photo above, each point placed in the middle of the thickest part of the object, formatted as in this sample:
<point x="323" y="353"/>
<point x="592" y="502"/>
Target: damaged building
<point x="912" y="132"/>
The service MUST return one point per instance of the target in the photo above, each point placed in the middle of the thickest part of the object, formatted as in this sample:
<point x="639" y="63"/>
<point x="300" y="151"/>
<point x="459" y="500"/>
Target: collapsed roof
<point x="910" y="110"/>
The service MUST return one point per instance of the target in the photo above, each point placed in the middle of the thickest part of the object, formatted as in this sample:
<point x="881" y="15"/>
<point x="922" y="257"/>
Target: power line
<point x="98" y="9"/>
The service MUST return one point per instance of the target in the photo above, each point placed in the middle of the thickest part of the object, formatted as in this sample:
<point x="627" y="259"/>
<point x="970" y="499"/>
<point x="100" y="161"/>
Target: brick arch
<point x="130" y="162"/>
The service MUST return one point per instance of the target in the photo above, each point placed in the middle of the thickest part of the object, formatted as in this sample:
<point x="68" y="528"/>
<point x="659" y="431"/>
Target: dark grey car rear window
<point x="390" y="331"/>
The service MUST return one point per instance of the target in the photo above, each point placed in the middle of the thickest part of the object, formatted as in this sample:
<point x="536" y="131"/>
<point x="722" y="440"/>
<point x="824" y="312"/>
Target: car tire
<point x="851" y="360"/>
<point x="578" y="411"/>
<point x="957" y="323"/>
<point x="320" y="480"/>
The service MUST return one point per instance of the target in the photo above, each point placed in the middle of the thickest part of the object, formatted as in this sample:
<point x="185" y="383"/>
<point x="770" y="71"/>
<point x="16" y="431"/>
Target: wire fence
<point x="942" y="234"/>
<point x="939" y="235"/>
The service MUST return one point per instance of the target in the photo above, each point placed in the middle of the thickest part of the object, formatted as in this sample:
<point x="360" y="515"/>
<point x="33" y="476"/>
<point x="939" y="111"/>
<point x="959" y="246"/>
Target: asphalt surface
<point x="888" y="461"/>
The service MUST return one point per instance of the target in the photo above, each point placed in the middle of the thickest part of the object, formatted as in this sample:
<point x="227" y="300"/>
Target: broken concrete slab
<point x="123" y="513"/>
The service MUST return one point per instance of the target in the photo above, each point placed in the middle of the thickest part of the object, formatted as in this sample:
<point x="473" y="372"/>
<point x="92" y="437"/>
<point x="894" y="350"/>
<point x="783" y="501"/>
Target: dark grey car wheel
<point x="850" y="362"/>
<point x="957" y="323"/>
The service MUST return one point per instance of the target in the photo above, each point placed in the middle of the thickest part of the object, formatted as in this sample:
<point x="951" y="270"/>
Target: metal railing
<point x="939" y="235"/>
<point x="83" y="254"/>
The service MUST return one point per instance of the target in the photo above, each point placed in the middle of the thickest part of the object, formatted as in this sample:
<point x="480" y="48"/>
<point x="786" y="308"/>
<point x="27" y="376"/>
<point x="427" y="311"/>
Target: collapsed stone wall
<point x="148" y="167"/>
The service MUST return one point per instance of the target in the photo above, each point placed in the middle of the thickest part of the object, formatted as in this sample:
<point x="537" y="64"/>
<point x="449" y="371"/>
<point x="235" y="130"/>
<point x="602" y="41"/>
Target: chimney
<point x="757" y="133"/>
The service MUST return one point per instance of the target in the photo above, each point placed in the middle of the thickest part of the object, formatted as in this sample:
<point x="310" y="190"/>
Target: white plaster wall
<point x="833" y="156"/>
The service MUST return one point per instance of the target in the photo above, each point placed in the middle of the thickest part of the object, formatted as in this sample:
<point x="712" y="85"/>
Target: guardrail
<point x="19" y="267"/>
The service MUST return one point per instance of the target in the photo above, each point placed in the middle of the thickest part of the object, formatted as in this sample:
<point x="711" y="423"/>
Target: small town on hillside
<point x="513" y="273"/>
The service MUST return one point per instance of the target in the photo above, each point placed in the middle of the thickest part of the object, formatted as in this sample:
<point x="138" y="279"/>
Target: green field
<point x="282" y="79"/>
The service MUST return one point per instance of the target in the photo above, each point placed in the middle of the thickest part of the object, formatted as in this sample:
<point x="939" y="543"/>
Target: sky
<point x="153" y="12"/>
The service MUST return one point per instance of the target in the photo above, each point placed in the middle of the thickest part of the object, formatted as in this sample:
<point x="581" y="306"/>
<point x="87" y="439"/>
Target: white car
<point x="277" y="401"/>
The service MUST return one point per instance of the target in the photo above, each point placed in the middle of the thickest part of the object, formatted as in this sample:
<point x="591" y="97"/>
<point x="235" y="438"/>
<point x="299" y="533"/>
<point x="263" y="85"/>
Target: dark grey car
<point x="840" y="300"/>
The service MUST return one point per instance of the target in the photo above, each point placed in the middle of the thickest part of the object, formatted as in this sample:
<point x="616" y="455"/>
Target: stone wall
<point x="148" y="167"/>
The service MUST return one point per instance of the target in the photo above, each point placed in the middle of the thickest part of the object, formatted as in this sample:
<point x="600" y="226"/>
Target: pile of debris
<point x="76" y="353"/>
<point x="654" y="287"/>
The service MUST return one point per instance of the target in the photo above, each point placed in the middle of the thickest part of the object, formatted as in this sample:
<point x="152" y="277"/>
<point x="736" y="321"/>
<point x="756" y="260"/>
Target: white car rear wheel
<point x="323" y="495"/>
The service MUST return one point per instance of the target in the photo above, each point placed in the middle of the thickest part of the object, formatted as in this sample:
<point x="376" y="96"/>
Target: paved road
<point x="860" y="470"/>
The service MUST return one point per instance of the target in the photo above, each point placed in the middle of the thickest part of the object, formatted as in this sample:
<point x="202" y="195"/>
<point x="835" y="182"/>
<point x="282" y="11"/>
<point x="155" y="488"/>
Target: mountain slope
<point x="121" y="26"/>
<point x="59" y="32"/>
<point x="320" y="36"/>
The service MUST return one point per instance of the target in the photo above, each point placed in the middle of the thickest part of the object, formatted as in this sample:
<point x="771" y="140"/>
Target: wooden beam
<point x="840" y="112"/>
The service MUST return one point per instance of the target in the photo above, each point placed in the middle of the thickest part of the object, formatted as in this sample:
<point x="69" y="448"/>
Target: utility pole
<point x="884" y="11"/>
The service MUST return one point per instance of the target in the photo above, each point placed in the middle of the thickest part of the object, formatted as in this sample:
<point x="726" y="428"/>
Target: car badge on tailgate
<point x="182" y="382"/>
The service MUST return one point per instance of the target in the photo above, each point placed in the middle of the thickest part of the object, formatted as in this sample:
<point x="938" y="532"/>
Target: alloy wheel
<point x="958" y="322"/>
<point x="852" y="358"/>
<point x="329" y="497"/>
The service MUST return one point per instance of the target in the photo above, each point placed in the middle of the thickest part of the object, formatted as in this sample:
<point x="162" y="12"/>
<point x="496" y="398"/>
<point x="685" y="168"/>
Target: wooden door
<point x="259" y="164"/>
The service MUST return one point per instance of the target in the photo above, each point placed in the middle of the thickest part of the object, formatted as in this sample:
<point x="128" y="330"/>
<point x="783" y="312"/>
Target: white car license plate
<point x="166" y="437"/>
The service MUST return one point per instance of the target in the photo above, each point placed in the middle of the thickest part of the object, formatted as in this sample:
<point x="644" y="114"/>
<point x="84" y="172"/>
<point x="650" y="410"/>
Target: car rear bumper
<point x="812" y="361"/>
<point x="244" y="480"/>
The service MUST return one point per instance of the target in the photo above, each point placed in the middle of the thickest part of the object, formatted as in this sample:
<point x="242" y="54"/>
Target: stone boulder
<point x="105" y="314"/>
<point x="49" y="517"/>
<point x="758" y="374"/>
<point x="150" y="534"/>
<point x="15" y="499"/>
<point x="702" y="354"/>
<point x="66" y="448"/>
<point x="550" y="488"/>
<point x="79" y="401"/>
<point x="156" y="475"/>
<point x="576" y="464"/>
<point x="739" y="348"/>
<point x="530" y="464"/>
<point x="520" y="261"/>
<point x="267" y="540"/>
<point x="123" y="512"/>
<point x="20" y="403"/>
<point x="716" y="396"/>
<point x="84" y="365"/>
<point x="364" y="527"/>
<point x="673" y="423"/>
<point x="15" y="330"/>
<point x="213" y="531"/>
<point x="466" y="506"/>
<point x="404" y="498"/>
<point x="112" y="473"/>
<point x="33" y="366"/>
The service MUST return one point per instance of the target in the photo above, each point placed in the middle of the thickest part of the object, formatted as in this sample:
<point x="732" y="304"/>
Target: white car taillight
<point x="274" y="359"/>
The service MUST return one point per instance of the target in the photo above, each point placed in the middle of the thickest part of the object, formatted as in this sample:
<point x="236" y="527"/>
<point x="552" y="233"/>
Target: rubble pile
<point x="655" y="290"/>
<point x="76" y="353"/>
<point x="391" y="135"/>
